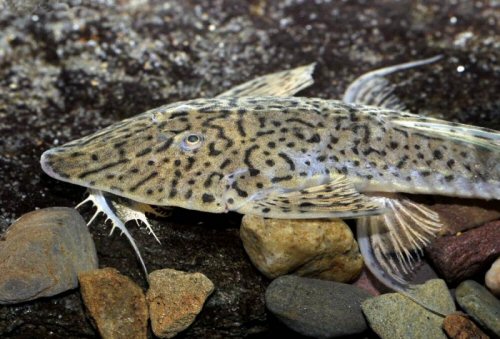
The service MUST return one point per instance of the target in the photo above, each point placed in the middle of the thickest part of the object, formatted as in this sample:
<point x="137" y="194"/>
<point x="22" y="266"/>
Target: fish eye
<point x="192" y="142"/>
<point x="192" y="139"/>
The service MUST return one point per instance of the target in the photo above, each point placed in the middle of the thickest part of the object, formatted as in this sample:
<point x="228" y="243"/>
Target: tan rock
<point x="458" y="326"/>
<point x="175" y="298"/>
<point x="492" y="278"/>
<point x="116" y="304"/>
<point x="320" y="248"/>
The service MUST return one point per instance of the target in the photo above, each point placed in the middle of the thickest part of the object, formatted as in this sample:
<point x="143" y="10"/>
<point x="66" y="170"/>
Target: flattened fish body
<point x="221" y="154"/>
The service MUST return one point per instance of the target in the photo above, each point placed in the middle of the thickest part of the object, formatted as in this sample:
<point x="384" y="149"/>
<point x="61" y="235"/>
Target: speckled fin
<point x="337" y="199"/>
<point x="374" y="89"/>
<point x="392" y="244"/>
<point x="279" y="84"/>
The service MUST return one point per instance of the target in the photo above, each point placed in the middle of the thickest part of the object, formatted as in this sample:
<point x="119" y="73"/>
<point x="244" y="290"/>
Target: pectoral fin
<point x="336" y="199"/>
<point x="279" y="84"/>
<point x="104" y="206"/>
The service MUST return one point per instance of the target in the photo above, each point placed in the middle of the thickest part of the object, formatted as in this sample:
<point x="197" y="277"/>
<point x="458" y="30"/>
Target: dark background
<point x="70" y="68"/>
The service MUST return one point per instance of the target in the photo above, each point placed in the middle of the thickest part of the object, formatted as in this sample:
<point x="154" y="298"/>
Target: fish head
<point x="169" y="156"/>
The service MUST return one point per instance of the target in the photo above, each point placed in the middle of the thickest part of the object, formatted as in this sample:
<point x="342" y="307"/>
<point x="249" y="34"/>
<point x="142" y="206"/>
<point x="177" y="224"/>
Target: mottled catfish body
<point x="250" y="154"/>
<point x="257" y="150"/>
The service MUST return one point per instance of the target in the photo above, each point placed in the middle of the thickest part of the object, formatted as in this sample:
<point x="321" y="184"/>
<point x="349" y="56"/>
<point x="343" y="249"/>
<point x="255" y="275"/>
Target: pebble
<point x="175" y="298"/>
<point x="324" y="249"/>
<point x="394" y="315"/>
<point x="42" y="253"/>
<point x="115" y="303"/>
<point x="461" y="256"/>
<point x="480" y="304"/>
<point x="459" y="326"/>
<point x="492" y="278"/>
<point x="434" y="295"/>
<point x="317" y="308"/>
<point x="458" y="215"/>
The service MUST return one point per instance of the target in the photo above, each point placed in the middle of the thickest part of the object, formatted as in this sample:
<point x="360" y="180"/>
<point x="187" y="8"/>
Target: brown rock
<point x="42" y="253"/>
<point x="116" y="304"/>
<point x="461" y="256"/>
<point x="321" y="248"/>
<point x="460" y="215"/>
<point x="458" y="326"/>
<point x="175" y="298"/>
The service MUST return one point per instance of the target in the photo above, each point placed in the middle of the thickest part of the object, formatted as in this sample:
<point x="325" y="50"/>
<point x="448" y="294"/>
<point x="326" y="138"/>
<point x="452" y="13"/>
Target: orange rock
<point x="175" y="298"/>
<point x="116" y="304"/>
<point x="458" y="326"/>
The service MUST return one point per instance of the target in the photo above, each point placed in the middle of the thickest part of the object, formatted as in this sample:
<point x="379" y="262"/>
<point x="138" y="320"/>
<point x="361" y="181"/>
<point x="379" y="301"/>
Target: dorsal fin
<point x="279" y="84"/>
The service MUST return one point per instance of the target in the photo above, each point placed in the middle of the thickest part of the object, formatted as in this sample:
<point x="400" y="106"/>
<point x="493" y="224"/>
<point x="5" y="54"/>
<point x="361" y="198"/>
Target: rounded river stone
<point x="317" y="308"/>
<point x="42" y="253"/>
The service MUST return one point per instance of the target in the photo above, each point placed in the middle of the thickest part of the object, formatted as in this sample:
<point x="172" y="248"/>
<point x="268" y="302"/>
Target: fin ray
<point x="280" y="84"/>
<point x="336" y="199"/>
<point x="373" y="89"/>
<point x="97" y="198"/>
<point x="478" y="136"/>
<point x="392" y="244"/>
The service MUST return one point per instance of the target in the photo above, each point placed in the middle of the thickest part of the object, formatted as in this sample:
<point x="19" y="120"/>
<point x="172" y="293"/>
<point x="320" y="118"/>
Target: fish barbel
<point x="289" y="157"/>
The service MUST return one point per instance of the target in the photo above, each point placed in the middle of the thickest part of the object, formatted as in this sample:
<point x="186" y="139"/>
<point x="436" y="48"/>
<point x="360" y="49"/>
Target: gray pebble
<point x="480" y="304"/>
<point x="394" y="316"/>
<point x="317" y="308"/>
<point x="42" y="253"/>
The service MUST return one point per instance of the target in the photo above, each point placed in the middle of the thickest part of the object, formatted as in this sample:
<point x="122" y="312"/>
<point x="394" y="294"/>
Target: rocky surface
<point x="42" y="253"/>
<point x="492" y="278"/>
<point x="459" y="215"/>
<point x="115" y="303"/>
<point x="70" y="68"/>
<point x="459" y="326"/>
<point x="434" y="295"/>
<point x="174" y="299"/>
<point x="480" y="304"/>
<point x="461" y="256"/>
<point x="393" y="315"/>
<point x="317" y="308"/>
<point x="323" y="249"/>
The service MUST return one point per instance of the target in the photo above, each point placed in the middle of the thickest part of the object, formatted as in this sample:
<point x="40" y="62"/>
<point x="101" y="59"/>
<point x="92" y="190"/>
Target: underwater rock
<point x="317" y="308"/>
<point x="459" y="215"/>
<point x="394" y="315"/>
<point x="458" y="326"/>
<point x="42" y="253"/>
<point x="324" y="249"/>
<point x="115" y="303"/>
<point x="458" y="257"/>
<point x="175" y="298"/>
<point x="492" y="278"/>
<point x="480" y="304"/>
<point x="433" y="294"/>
